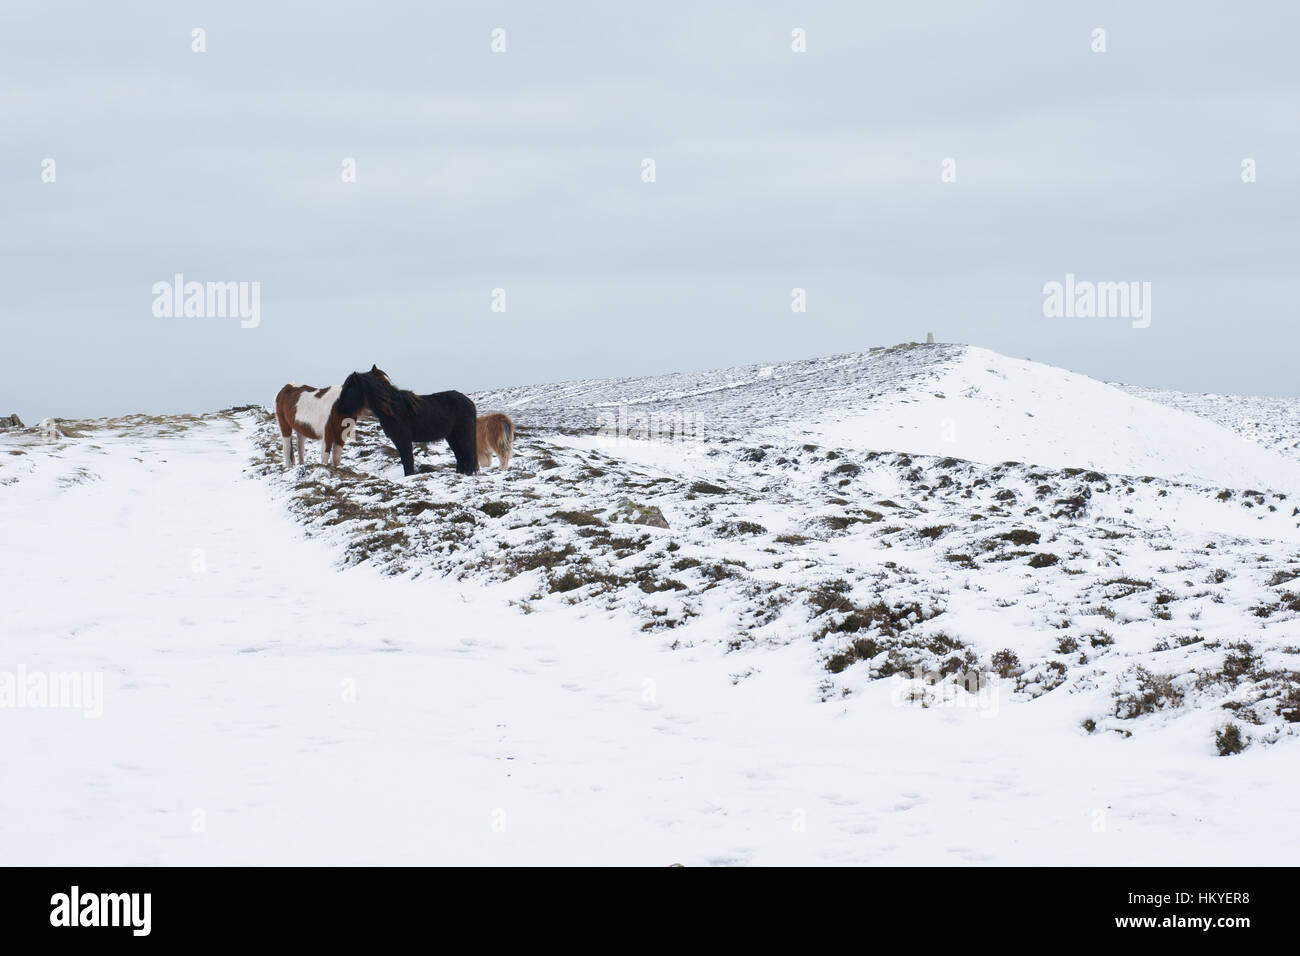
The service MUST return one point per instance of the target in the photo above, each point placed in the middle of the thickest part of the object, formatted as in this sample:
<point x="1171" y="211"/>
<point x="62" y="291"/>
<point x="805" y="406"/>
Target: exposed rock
<point x="12" y="421"/>
<point x="632" y="513"/>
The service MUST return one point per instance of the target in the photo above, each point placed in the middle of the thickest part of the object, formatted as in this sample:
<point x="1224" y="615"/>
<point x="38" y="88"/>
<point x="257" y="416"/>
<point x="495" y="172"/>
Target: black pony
<point x="406" y="417"/>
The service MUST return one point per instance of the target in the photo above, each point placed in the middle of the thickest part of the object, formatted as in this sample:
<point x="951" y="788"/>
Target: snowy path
<point x="479" y="734"/>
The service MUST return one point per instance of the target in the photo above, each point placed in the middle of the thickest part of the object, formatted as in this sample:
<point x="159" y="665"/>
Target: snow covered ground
<point x="916" y="605"/>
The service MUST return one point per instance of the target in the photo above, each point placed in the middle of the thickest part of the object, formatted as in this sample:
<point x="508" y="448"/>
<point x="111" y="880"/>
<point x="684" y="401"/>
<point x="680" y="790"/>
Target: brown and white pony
<point x="311" y="413"/>
<point x="496" y="435"/>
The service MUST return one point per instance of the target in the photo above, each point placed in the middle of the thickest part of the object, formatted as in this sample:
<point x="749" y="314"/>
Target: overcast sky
<point x="523" y="170"/>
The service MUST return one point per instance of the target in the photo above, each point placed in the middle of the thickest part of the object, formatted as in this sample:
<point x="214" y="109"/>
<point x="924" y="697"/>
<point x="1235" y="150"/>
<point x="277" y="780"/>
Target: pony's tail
<point x="508" y="436"/>
<point x="281" y="417"/>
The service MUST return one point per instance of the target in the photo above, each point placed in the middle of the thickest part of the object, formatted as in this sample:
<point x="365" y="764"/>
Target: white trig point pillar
<point x="929" y="338"/>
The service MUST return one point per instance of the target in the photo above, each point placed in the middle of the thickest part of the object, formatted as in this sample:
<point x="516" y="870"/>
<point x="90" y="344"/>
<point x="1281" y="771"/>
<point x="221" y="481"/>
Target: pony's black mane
<point x="375" y="392"/>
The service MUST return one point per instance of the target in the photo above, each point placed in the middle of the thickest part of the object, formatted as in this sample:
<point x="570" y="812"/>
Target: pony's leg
<point x="464" y="444"/>
<point x="503" y="456"/>
<point x="324" y="452"/>
<point x="287" y="442"/>
<point x="460" y="456"/>
<point x="302" y="452"/>
<point x="408" y="458"/>
<point x="338" y="455"/>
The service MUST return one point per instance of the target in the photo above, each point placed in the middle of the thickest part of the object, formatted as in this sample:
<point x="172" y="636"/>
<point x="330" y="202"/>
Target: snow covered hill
<point x="989" y="408"/>
<point x="913" y="605"/>
<point x="1271" y="422"/>
<point x="940" y="400"/>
